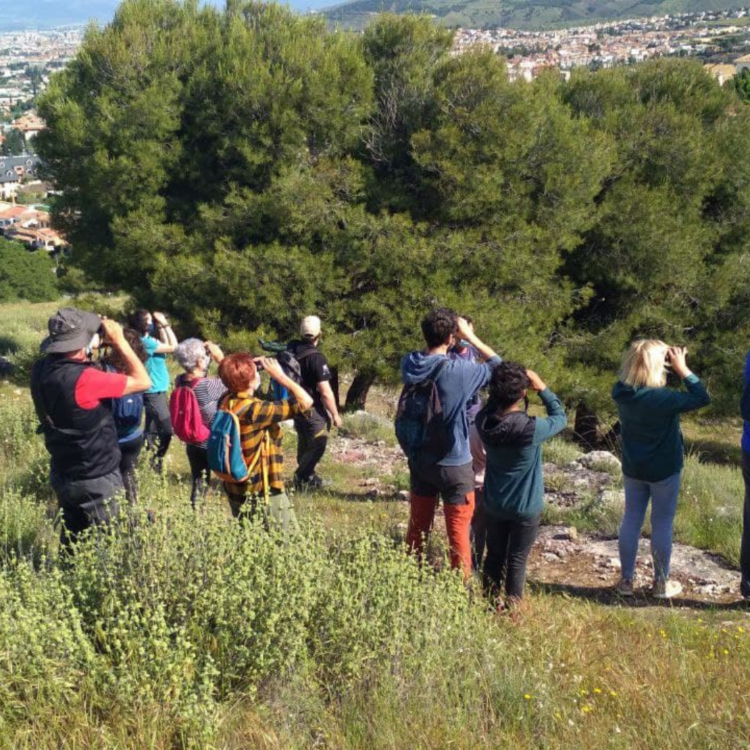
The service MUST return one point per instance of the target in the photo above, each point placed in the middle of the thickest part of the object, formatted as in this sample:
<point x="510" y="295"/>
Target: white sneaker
<point x="667" y="589"/>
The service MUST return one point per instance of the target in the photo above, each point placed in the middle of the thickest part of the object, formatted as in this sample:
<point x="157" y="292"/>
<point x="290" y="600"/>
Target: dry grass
<point x="568" y="674"/>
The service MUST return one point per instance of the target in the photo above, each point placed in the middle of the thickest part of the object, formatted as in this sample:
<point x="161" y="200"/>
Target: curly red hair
<point x="237" y="372"/>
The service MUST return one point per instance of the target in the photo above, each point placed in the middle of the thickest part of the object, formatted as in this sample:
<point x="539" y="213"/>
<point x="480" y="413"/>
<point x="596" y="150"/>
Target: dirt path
<point x="564" y="559"/>
<point x="584" y="565"/>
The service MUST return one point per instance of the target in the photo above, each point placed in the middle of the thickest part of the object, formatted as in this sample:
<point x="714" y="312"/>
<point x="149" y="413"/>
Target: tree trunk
<point x="356" y="396"/>
<point x="586" y="426"/>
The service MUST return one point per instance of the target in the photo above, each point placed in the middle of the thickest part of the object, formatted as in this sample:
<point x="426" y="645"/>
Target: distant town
<point x="721" y="39"/>
<point x="27" y="60"/>
<point x="718" y="38"/>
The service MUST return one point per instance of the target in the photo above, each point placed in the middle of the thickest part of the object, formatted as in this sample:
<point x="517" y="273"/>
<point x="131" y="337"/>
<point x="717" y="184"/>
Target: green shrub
<point x="709" y="512"/>
<point x="25" y="274"/>
<point x="368" y="427"/>
<point x="186" y="614"/>
<point x="25" y="530"/>
<point x="560" y="452"/>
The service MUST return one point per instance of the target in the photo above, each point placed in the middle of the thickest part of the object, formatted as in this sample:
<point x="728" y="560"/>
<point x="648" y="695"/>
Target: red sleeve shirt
<point x="95" y="385"/>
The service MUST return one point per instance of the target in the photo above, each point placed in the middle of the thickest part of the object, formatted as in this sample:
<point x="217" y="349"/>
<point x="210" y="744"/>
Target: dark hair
<point x="438" y="326"/>
<point x="237" y="371"/>
<point x="115" y="359"/>
<point x="507" y="384"/>
<point x="139" y="321"/>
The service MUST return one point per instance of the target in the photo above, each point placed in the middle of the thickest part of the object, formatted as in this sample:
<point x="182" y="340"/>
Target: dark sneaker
<point x="625" y="587"/>
<point x="308" y="485"/>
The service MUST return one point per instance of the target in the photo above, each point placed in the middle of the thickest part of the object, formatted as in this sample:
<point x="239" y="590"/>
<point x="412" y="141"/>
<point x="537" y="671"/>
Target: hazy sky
<point x="46" y="13"/>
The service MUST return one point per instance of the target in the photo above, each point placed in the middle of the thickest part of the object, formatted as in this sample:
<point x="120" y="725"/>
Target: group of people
<point x="475" y="445"/>
<point x="101" y="394"/>
<point x="489" y="476"/>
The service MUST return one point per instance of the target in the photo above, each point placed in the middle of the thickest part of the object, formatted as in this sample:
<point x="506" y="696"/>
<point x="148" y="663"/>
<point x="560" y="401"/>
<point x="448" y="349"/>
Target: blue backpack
<point x="127" y="413"/>
<point x="225" y="457"/>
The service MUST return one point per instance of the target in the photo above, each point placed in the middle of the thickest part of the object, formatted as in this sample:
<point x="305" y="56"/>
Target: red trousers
<point x="457" y="524"/>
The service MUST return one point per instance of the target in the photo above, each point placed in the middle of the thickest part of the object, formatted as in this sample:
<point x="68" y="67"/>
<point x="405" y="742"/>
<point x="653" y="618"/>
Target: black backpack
<point x="290" y="364"/>
<point x="420" y="426"/>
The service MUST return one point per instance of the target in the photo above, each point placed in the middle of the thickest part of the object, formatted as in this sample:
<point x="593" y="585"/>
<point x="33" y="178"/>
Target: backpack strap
<point x="299" y="357"/>
<point x="258" y="457"/>
<point x="183" y="382"/>
<point x="436" y="372"/>
<point x="226" y="405"/>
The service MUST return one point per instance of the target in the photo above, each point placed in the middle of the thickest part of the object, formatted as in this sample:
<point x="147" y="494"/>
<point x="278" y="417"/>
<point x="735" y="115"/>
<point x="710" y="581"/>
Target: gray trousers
<point x="85" y="503"/>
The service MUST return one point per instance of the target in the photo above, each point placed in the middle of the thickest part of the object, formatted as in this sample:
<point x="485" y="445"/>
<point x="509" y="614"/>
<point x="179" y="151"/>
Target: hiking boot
<point x="625" y="587"/>
<point x="316" y="483"/>
<point x="666" y="589"/>
<point x="310" y="485"/>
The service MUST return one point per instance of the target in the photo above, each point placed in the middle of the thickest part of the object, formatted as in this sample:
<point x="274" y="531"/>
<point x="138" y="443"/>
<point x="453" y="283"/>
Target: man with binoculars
<point x="79" y="432"/>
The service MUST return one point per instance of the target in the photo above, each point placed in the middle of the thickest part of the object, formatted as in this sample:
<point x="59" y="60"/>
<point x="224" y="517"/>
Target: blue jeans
<point x="663" y="496"/>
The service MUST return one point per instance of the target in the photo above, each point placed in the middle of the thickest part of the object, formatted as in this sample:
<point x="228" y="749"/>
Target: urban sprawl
<point x="28" y="59"/>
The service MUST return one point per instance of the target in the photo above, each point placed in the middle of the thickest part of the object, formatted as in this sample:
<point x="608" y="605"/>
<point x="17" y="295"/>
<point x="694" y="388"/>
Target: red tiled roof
<point x="14" y="212"/>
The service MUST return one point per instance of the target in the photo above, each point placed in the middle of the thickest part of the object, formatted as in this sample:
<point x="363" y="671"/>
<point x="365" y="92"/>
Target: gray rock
<point x="600" y="460"/>
<point x="570" y="534"/>
<point x="614" y="499"/>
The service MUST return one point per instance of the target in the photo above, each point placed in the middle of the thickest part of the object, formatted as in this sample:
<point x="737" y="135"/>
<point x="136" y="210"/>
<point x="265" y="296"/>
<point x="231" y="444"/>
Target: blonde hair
<point x="644" y="364"/>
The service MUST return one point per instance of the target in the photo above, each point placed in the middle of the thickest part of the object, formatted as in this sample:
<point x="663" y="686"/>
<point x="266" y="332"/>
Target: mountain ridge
<point x="521" y="14"/>
<point x="50" y="14"/>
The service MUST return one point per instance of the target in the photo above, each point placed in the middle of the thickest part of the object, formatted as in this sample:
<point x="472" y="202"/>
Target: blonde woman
<point x="652" y="452"/>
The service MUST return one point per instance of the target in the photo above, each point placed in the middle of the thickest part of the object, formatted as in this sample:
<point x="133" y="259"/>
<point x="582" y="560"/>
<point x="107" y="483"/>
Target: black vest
<point x="82" y="442"/>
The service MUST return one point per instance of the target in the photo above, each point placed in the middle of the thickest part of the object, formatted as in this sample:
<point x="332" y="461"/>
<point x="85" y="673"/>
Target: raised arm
<point x="214" y="351"/>
<point x="165" y="334"/>
<point x="466" y="332"/>
<point x="556" y="420"/>
<point x="696" y="395"/>
<point x="273" y="368"/>
<point x="137" y="377"/>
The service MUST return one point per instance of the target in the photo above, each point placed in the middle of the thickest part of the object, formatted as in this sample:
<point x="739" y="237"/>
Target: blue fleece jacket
<point x="457" y="382"/>
<point x="652" y="445"/>
<point x="746" y="425"/>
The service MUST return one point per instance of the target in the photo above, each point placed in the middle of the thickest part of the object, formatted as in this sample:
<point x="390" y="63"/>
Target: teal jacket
<point x="652" y="444"/>
<point x="513" y="483"/>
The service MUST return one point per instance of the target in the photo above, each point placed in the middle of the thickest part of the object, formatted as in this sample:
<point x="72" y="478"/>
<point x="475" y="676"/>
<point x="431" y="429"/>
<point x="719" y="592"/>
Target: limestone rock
<point x="614" y="499"/>
<point x="600" y="460"/>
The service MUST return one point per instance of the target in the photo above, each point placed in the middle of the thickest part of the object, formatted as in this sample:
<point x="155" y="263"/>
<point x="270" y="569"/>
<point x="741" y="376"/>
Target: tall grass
<point x="199" y="632"/>
<point x="194" y="631"/>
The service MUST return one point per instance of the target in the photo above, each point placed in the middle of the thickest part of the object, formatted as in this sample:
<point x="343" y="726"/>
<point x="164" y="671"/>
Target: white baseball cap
<point x="310" y="327"/>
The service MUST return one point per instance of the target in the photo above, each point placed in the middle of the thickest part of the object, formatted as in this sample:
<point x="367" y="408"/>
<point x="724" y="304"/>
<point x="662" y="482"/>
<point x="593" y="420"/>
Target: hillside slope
<point x="521" y="14"/>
